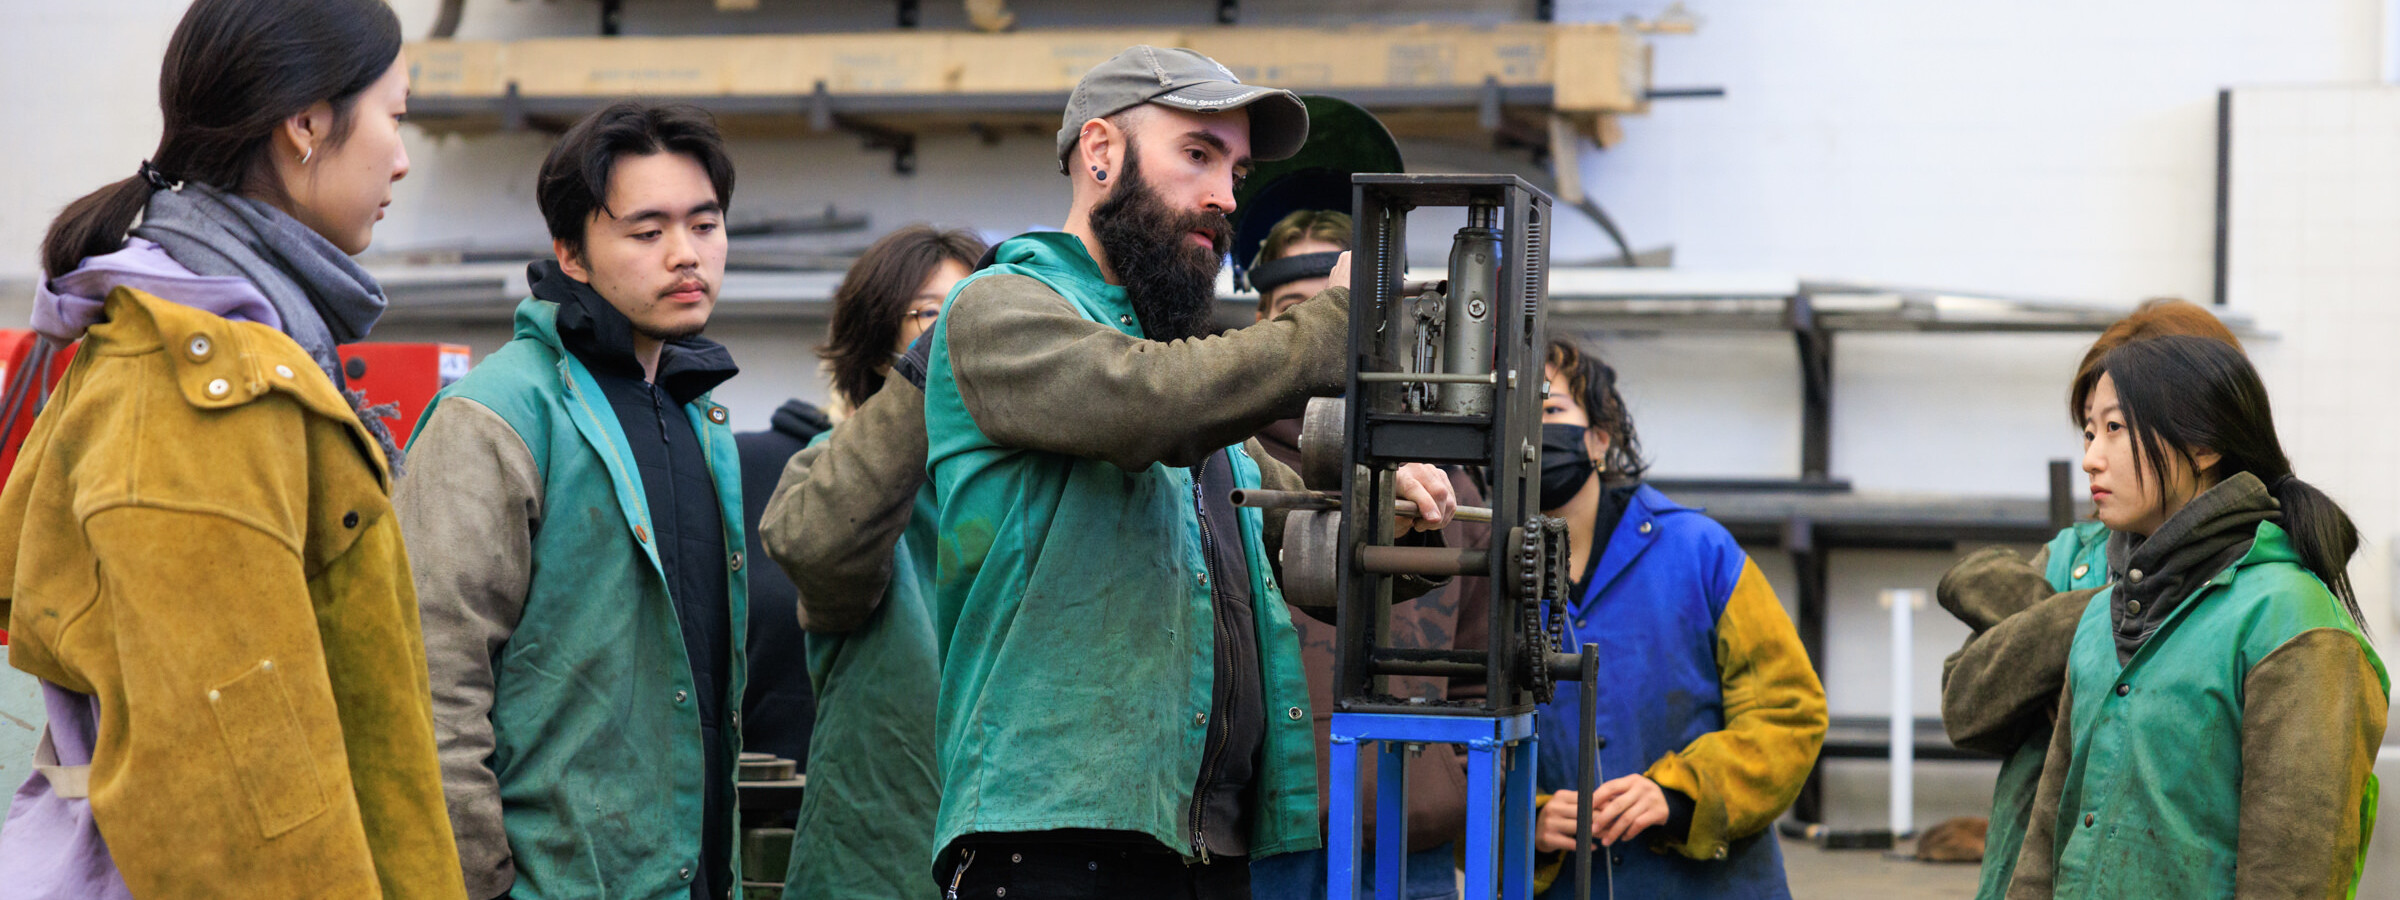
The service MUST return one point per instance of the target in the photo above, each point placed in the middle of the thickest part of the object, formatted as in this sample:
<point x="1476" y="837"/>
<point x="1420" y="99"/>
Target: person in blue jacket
<point x="1709" y="711"/>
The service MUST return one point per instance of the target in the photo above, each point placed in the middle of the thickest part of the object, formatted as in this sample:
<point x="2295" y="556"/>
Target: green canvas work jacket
<point x="1073" y="594"/>
<point x="852" y="521"/>
<point x="2231" y="755"/>
<point x="570" y="735"/>
<point x="2000" y="689"/>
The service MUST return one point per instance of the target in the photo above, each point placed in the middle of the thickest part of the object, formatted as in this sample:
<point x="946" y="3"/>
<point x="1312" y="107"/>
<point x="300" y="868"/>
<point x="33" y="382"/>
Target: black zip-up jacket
<point x="685" y="518"/>
<point x="779" y="709"/>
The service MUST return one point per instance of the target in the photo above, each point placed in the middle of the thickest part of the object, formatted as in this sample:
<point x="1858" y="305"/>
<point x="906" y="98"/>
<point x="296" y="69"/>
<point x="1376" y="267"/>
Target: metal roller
<point x="1431" y="562"/>
<point x="1312" y="560"/>
<point x="1324" y="443"/>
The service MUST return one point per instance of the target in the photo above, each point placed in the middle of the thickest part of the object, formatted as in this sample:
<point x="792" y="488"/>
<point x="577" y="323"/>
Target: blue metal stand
<point x="1500" y="764"/>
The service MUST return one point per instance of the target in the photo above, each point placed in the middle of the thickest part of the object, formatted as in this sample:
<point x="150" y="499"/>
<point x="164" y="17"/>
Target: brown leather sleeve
<point x="473" y="565"/>
<point x="2001" y="686"/>
<point x="1036" y="374"/>
<point x="1992" y="584"/>
<point x="2037" y="860"/>
<point x="841" y="506"/>
<point x="2312" y="718"/>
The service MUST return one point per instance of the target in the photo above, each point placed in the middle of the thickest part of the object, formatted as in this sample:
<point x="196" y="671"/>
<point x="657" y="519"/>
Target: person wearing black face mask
<point x="1710" y="714"/>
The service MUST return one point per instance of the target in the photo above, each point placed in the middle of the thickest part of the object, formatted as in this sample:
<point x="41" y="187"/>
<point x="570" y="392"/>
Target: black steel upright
<point x="1448" y="373"/>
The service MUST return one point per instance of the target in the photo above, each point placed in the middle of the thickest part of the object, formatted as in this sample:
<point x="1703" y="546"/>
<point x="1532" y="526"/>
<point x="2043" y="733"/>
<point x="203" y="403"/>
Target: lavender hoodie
<point x="65" y="306"/>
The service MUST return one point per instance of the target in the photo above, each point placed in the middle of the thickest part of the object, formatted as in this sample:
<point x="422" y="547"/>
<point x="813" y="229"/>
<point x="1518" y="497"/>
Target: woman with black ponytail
<point x="2223" y="706"/>
<point x="1712" y="714"/>
<point x="2001" y="688"/>
<point x="196" y="547"/>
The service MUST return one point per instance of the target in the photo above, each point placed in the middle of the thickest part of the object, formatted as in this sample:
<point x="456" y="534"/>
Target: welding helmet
<point x="1343" y="140"/>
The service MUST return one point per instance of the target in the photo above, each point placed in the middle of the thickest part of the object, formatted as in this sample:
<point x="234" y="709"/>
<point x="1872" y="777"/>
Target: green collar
<point x="1060" y="260"/>
<point x="2271" y="546"/>
<point x="538" y="319"/>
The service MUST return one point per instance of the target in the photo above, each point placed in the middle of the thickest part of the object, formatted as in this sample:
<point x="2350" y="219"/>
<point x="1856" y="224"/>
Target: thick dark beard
<point x="1171" y="284"/>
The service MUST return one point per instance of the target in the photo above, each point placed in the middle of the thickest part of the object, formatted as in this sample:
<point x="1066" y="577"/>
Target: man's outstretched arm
<point x="1035" y="374"/>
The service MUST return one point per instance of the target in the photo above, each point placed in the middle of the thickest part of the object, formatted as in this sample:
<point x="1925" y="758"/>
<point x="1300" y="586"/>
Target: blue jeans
<point x="1432" y="875"/>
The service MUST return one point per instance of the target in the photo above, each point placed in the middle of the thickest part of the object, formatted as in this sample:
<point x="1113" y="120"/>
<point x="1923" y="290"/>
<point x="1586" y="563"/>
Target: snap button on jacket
<point x="177" y="550"/>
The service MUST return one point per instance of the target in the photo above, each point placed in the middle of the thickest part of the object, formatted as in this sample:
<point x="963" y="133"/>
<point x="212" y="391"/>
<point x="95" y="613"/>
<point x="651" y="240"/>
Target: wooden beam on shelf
<point x="969" y="79"/>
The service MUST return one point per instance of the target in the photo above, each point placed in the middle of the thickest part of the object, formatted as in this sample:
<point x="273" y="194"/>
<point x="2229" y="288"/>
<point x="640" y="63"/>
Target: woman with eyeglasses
<point x="891" y="297"/>
<point x="852" y="523"/>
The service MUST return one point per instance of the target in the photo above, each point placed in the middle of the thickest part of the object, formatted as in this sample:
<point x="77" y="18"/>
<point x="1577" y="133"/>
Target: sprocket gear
<point x="1532" y="574"/>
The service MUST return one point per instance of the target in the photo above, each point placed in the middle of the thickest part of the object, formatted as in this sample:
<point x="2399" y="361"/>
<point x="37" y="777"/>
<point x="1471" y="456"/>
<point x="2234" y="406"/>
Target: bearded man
<point x="1123" y="710"/>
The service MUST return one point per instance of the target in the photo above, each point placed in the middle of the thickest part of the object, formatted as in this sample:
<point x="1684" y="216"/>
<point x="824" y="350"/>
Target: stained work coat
<point x="2231" y="756"/>
<point x="1706" y="689"/>
<point x="202" y="538"/>
<point x="866" y="822"/>
<point x="571" y="739"/>
<point x="1999" y="690"/>
<point x="1071" y="594"/>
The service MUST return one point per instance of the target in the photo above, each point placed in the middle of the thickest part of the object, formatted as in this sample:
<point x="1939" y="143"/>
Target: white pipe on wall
<point x="1904" y="717"/>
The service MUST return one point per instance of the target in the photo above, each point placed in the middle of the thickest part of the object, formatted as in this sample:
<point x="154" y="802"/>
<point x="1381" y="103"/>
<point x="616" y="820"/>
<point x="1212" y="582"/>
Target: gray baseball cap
<point x="1183" y="79"/>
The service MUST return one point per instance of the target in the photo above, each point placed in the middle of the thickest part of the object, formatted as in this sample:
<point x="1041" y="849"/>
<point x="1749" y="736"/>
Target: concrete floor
<point x="1816" y="874"/>
<point x="1855" y="799"/>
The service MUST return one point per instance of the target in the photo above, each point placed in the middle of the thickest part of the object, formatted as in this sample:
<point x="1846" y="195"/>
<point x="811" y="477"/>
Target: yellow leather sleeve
<point x="1744" y="776"/>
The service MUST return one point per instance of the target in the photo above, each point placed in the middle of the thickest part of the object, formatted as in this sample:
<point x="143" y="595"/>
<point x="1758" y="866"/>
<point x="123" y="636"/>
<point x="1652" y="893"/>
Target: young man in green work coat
<point x="574" y="518"/>
<point x="1123" y="711"/>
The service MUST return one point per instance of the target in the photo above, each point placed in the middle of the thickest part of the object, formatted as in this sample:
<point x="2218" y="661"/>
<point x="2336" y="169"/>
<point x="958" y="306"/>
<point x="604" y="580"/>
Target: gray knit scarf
<point x="324" y="298"/>
<point x="2154" y="575"/>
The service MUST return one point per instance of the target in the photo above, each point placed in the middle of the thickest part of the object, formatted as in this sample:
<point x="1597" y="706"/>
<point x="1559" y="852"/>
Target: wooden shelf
<point x="1431" y="79"/>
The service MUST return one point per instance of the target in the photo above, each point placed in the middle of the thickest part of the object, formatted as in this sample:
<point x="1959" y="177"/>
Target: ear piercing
<point x="1098" y="174"/>
<point x="306" y="153"/>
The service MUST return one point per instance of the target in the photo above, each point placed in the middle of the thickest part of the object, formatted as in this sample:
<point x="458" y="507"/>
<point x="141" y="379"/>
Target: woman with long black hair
<point x="196" y="543"/>
<point x="2223" y="706"/>
<point x="2000" y="689"/>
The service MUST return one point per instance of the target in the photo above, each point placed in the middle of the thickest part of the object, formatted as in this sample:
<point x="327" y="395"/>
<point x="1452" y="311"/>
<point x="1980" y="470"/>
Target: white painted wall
<point x="2041" y="148"/>
<point x="2315" y="214"/>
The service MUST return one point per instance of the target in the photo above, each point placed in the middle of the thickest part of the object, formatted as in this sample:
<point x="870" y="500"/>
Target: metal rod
<point x="1587" y="771"/>
<point x="1423" y="654"/>
<point x="1904" y="722"/>
<point x="1266" y="499"/>
<point x="1429" y="377"/>
<point x="1459" y="514"/>
<point x="1435" y="663"/>
<point x="2062" y="494"/>
<point x="1428" y="669"/>
<point x="1436" y="562"/>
